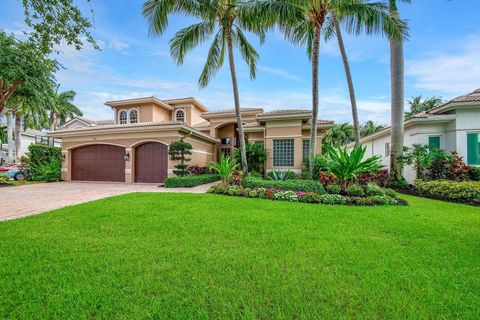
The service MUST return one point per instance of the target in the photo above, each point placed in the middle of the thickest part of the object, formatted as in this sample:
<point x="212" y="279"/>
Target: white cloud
<point x="117" y="44"/>
<point x="280" y="72"/>
<point x="454" y="73"/>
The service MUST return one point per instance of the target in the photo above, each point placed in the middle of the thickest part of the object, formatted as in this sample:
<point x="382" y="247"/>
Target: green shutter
<point x="434" y="142"/>
<point x="473" y="148"/>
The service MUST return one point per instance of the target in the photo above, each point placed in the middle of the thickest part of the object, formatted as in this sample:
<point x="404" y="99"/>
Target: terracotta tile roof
<point x="320" y="121"/>
<point x="472" y="97"/>
<point x="104" y="122"/>
<point x="130" y="125"/>
<point x="233" y="111"/>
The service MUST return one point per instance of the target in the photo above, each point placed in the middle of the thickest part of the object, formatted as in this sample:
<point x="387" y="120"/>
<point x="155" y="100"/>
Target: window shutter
<point x="434" y="142"/>
<point x="473" y="148"/>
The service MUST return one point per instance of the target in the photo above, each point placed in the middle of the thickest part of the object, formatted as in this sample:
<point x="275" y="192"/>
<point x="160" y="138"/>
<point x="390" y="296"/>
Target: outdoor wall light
<point x="63" y="156"/>
<point x="127" y="156"/>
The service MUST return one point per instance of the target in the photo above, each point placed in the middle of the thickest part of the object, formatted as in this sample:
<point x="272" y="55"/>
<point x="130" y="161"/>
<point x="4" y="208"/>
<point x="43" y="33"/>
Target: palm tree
<point x="340" y="135"/>
<point x="62" y="108"/>
<point x="397" y="61"/>
<point x="226" y="21"/>
<point x="369" y="128"/>
<point x="374" y="18"/>
<point x="303" y="21"/>
<point x="418" y="106"/>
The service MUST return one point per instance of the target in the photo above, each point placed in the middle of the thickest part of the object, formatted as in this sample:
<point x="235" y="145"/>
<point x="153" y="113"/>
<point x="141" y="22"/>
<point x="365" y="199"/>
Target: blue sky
<point x="441" y="59"/>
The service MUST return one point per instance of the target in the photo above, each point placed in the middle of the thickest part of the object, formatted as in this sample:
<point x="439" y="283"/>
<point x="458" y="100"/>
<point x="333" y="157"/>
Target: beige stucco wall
<point x="202" y="152"/>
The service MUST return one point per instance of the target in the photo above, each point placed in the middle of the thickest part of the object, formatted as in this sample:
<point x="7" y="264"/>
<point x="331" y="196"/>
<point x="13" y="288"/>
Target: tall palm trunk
<point x="236" y="97"/>
<point x="10" y="147"/>
<point x="313" y="129"/>
<point x="18" y="132"/>
<point x="397" y="89"/>
<point x="351" y="89"/>
<point x="53" y="120"/>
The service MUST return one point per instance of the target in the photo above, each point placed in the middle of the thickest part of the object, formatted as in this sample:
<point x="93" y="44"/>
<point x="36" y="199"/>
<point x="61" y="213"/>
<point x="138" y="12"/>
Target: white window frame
<point x="130" y="114"/>
<point x="120" y="116"/>
<point x="175" y="115"/>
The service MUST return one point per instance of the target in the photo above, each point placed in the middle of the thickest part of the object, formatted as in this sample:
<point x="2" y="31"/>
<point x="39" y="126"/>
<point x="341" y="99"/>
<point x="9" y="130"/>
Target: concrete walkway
<point x="21" y="201"/>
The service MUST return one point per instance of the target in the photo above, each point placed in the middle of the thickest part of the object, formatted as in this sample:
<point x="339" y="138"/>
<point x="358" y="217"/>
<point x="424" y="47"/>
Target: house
<point x="27" y="138"/>
<point x="453" y="126"/>
<point x="133" y="147"/>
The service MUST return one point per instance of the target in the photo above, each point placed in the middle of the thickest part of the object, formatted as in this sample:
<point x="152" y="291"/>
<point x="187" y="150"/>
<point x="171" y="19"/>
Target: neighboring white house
<point x="453" y="126"/>
<point x="28" y="137"/>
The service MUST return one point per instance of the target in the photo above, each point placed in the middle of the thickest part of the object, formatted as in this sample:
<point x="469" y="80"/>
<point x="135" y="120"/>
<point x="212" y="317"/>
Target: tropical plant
<point x="319" y="166"/>
<point x="226" y="20"/>
<point x="225" y="167"/>
<point x="419" y="156"/>
<point x="345" y="164"/>
<point x="178" y="151"/>
<point x="256" y="156"/>
<point x="397" y="61"/>
<point x="340" y="135"/>
<point x="281" y="175"/>
<point x="418" y="106"/>
<point x="374" y="18"/>
<point x="369" y="128"/>
<point x="62" y="108"/>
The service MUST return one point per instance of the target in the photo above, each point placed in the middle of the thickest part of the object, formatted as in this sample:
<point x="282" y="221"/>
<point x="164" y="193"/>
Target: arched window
<point x="133" y="116"/>
<point x="180" y="116"/>
<point x="123" y="117"/>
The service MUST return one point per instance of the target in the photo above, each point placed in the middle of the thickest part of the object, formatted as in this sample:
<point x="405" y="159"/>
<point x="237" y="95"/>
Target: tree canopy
<point x="417" y="105"/>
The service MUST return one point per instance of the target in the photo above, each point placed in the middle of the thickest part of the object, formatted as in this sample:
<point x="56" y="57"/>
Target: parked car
<point x="12" y="171"/>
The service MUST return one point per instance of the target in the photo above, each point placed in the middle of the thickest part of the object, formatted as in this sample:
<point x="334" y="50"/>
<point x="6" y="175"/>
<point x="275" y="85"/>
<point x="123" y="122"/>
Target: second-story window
<point x="133" y="116"/>
<point x="123" y="117"/>
<point x="180" y="116"/>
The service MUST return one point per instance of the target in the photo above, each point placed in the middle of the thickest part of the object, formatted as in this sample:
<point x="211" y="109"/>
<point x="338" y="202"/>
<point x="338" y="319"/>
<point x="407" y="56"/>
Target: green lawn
<point x="168" y="256"/>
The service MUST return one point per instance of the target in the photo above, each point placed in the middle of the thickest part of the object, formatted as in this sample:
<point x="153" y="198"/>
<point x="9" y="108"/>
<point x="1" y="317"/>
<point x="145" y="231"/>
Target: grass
<point x="186" y="256"/>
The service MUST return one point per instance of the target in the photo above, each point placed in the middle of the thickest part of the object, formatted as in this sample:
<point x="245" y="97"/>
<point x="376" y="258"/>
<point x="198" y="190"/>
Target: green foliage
<point x="24" y="168"/>
<point x="418" y="106"/>
<point x="225" y="167"/>
<point x="289" y="185"/>
<point x="25" y="74"/>
<point x="345" y="164"/>
<point x="256" y="156"/>
<point x="369" y="128"/>
<point x="390" y="192"/>
<point x="5" y="180"/>
<point x="335" y="199"/>
<point x="178" y="150"/>
<point x="474" y="174"/>
<point x="62" y="108"/>
<point x="372" y="189"/>
<point x="420" y="156"/>
<point x="355" y="190"/>
<point x="464" y="191"/>
<point x="3" y="134"/>
<point x="190" y="181"/>
<point x="281" y="175"/>
<point x="333" y="189"/>
<point x="383" y="200"/>
<point x="45" y="162"/>
<point x="320" y="165"/>
<point x="286" y="196"/>
<point x="56" y="22"/>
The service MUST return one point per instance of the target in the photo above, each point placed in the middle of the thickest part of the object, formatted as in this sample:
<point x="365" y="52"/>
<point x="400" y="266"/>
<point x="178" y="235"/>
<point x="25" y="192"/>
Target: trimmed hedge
<point x="464" y="191"/>
<point x="45" y="162"/>
<point x="290" y="185"/>
<point x="190" y="181"/>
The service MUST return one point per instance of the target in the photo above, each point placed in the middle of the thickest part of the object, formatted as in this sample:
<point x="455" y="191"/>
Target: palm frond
<point x="188" y="38"/>
<point x="248" y="52"/>
<point x="215" y="59"/>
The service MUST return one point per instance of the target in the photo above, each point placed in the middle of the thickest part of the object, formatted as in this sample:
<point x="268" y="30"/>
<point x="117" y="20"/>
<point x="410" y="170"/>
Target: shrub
<point x="327" y="178"/>
<point x="45" y="162"/>
<point x="291" y="185"/>
<point x="458" y="170"/>
<point x="253" y="194"/>
<point x="190" y="181"/>
<point x="333" y="189"/>
<point x="464" y="191"/>
<point x="254" y="174"/>
<point x="280" y="175"/>
<point x="474" y="174"/>
<point x="355" y="191"/>
<point x="262" y="193"/>
<point x="196" y="170"/>
<point x="333" y="199"/>
<point x="256" y="156"/>
<point x="373" y="190"/>
<point x="320" y="165"/>
<point x="309" y="197"/>
<point x="225" y="167"/>
<point x="391" y="193"/>
<point x="286" y="196"/>
<point x="178" y="150"/>
<point x="5" y="180"/>
<point x="219" y="188"/>
<point x="384" y="200"/>
<point x="24" y="168"/>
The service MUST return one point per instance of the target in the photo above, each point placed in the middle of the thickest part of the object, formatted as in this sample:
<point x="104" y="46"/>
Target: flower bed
<point x="464" y="191"/>
<point x="190" y="181"/>
<point x="293" y="185"/>
<point x="372" y="199"/>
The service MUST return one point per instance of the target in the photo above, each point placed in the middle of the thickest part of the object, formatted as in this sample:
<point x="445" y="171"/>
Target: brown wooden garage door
<point x="151" y="162"/>
<point x="99" y="162"/>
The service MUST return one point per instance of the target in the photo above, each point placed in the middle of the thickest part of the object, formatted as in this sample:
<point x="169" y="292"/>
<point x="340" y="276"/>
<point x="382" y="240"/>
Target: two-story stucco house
<point x="453" y="126"/>
<point x="133" y="147"/>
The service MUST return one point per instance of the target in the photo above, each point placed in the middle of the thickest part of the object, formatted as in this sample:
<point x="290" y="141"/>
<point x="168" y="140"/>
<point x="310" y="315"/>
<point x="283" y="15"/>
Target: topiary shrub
<point x="373" y="190"/>
<point x="355" y="191"/>
<point x="45" y="162"/>
<point x="334" y="189"/>
<point x="178" y="151"/>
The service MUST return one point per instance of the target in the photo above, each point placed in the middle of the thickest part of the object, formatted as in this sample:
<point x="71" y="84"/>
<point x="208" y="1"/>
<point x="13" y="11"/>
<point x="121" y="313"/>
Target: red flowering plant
<point x="381" y="177"/>
<point x="196" y="170"/>
<point x="270" y="193"/>
<point x="458" y="169"/>
<point x="327" y="178"/>
<point x="237" y="178"/>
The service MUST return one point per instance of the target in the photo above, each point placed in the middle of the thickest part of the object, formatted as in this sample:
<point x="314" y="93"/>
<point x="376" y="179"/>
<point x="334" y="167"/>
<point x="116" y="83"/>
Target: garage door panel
<point x="98" y="163"/>
<point x="151" y="162"/>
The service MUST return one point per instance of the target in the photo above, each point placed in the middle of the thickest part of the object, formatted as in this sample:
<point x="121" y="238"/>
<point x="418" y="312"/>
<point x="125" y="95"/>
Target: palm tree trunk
<point x="236" y="97"/>
<point x="351" y="89"/>
<point x="397" y="88"/>
<point x="52" y="120"/>
<point x="10" y="146"/>
<point x="18" y="132"/>
<point x="313" y="129"/>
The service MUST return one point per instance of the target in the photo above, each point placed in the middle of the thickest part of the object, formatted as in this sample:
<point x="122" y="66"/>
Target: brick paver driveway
<point x="31" y="199"/>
